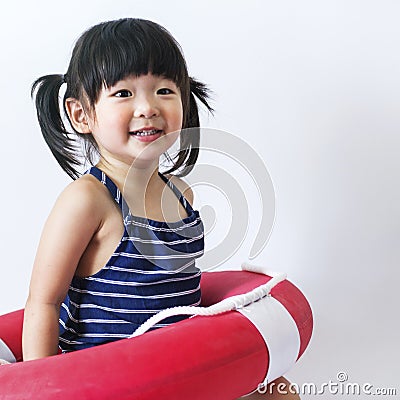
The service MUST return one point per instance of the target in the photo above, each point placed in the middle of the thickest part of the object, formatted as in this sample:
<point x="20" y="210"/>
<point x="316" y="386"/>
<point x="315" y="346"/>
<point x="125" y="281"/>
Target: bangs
<point x="126" y="47"/>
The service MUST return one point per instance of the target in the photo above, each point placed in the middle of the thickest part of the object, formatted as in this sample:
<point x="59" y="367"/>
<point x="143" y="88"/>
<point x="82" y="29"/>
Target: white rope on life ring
<point x="229" y="304"/>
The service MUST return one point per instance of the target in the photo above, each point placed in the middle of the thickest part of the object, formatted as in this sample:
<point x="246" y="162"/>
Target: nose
<point x="145" y="107"/>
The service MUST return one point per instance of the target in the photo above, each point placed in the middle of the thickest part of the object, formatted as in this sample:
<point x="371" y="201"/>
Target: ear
<point x="77" y="115"/>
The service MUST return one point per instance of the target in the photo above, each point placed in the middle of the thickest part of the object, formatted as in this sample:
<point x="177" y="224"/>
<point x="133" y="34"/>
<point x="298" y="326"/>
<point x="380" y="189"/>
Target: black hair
<point x="103" y="55"/>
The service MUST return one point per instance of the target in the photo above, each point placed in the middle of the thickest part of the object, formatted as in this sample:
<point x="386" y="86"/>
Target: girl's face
<point x="137" y="119"/>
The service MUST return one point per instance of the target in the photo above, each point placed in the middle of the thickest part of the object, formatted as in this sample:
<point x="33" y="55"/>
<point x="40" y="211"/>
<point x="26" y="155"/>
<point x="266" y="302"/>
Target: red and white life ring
<point x="223" y="356"/>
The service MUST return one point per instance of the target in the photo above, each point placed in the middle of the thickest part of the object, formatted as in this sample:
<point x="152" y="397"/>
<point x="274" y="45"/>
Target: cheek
<point x="177" y="114"/>
<point x="181" y="118"/>
<point x="111" y="121"/>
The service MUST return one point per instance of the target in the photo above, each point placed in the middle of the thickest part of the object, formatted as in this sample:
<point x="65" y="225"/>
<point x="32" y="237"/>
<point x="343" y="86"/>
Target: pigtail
<point x="45" y="92"/>
<point x="202" y="92"/>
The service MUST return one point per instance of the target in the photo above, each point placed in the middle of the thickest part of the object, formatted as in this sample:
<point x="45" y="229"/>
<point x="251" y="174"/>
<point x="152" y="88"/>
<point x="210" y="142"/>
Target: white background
<point x="314" y="88"/>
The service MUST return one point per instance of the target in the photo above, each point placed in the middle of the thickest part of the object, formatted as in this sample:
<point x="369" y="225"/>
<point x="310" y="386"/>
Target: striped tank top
<point x="152" y="268"/>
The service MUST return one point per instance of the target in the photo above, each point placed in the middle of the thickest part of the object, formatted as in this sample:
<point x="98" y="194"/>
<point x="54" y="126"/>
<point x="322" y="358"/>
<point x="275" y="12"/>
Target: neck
<point x="133" y="179"/>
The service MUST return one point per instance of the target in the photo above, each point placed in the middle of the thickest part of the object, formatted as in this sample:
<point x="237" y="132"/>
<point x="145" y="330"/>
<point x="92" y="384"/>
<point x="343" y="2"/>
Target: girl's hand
<point x="3" y="362"/>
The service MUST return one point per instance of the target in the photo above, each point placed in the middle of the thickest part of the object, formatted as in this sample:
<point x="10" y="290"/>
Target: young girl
<point x="100" y="272"/>
<point x="127" y="95"/>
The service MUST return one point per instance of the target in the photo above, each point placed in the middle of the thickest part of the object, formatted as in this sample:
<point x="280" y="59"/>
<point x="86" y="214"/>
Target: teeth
<point x="146" y="133"/>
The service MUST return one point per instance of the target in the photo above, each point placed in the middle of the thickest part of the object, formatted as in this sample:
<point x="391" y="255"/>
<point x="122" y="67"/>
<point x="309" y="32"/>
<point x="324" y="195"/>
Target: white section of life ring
<point x="5" y="353"/>
<point x="279" y="331"/>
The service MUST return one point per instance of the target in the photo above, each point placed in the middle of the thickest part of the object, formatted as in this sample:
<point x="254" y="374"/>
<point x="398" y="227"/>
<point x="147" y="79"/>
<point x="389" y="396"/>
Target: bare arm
<point x="66" y="234"/>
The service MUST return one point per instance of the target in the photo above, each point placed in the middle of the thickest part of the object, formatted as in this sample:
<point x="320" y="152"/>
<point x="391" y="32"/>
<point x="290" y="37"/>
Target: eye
<point x="165" y="91"/>
<point x="123" y="93"/>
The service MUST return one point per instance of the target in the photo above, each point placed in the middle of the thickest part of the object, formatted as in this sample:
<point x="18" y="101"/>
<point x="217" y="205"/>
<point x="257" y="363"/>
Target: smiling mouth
<point x="146" y="132"/>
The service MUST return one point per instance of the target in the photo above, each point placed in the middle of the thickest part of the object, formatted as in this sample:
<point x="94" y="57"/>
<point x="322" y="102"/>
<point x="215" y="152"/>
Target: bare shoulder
<point x="83" y="196"/>
<point x="86" y="188"/>
<point x="183" y="186"/>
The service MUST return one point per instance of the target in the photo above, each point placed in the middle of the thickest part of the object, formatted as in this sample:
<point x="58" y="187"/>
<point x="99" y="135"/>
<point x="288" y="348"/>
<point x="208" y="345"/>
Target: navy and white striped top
<point x="152" y="268"/>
